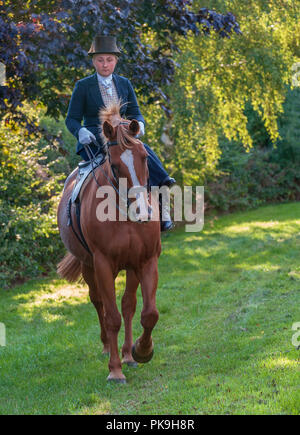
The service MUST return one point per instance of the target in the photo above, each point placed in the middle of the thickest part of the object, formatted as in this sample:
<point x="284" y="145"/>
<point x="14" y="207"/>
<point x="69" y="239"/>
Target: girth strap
<point x="70" y="222"/>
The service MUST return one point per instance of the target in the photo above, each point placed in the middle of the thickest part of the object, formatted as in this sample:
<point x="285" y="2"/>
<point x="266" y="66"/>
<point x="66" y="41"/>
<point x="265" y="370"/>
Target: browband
<point x="110" y="144"/>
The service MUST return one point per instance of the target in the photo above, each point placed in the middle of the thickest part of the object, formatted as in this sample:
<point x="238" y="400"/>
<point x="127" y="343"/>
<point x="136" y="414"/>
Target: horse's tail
<point x="69" y="268"/>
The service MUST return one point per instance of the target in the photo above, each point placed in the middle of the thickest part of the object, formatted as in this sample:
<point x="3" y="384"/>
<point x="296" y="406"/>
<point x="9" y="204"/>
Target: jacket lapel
<point x="120" y="92"/>
<point x="95" y="91"/>
<point x="117" y="85"/>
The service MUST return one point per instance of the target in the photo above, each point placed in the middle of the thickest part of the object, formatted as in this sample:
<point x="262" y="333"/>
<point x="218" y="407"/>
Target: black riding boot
<point x="164" y="212"/>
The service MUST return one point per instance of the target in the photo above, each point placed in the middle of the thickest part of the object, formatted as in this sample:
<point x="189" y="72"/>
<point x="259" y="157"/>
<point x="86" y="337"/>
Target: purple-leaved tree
<point x="44" y="44"/>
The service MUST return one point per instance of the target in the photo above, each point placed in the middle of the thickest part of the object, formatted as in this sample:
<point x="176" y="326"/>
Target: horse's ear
<point x="134" y="127"/>
<point x="108" y="130"/>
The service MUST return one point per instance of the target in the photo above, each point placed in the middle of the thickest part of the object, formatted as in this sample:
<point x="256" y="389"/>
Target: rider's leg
<point x="159" y="177"/>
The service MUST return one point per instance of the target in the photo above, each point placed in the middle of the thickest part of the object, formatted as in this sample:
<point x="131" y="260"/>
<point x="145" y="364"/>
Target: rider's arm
<point x="133" y="110"/>
<point x="75" y="110"/>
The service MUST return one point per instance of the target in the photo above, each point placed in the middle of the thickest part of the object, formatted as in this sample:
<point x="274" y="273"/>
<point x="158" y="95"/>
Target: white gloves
<point x="85" y="136"/>
<point x="142" y="129"/>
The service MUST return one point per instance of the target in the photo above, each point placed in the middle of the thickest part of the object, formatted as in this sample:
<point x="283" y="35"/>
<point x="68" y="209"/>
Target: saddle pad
<point x="84" y="169"/>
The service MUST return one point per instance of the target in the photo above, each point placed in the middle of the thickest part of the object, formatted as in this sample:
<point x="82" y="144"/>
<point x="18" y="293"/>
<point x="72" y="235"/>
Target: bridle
<point x="115" y="186"/>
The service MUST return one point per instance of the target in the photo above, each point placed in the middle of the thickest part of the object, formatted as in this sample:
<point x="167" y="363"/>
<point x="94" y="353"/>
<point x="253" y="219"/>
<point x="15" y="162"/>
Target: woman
<point x="91" y="93"/>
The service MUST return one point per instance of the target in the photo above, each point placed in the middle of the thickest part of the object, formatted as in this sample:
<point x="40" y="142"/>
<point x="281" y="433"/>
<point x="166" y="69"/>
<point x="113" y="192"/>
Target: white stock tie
<point x="107" y="83"/>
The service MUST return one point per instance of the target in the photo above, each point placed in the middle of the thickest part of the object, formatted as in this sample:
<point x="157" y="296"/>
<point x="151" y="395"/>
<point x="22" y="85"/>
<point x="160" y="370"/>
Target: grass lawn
<point x="228" y="297"/>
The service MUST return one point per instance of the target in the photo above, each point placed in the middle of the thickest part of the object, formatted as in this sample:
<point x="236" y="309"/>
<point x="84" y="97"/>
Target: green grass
<point x="228" y="297"/>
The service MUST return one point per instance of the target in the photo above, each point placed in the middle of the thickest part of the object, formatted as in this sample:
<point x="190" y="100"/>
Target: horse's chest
<point x="131" y="248"/>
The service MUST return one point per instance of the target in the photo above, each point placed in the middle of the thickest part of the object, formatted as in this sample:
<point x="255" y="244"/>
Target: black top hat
<point x="104" y="45"/>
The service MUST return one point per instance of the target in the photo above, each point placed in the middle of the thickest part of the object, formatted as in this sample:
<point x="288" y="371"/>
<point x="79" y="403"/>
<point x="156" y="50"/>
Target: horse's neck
<point x="105" y="175"/>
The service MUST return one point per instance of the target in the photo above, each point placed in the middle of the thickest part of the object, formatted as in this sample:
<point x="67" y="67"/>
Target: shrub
<point x="29" y="187"/>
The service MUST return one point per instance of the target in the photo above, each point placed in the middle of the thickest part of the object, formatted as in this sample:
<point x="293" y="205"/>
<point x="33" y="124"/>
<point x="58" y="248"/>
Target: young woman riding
<point x="98" y="90"/>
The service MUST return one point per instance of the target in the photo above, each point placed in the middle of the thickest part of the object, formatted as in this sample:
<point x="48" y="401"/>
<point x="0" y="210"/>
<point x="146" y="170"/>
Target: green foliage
<point x="57" y="128"/>
<point x="29" y="189"/>
<point x="289" y="122"/>
<point x="265" y="173"/>
<point x="254" y="180"/>
<point x="219" y="79"/>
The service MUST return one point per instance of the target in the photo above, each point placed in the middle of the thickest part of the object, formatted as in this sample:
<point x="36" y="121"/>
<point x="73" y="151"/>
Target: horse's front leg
<point x="95" y="296"/>
<point x="142" y="350"/>
<point x="128" y="310"/>
<point x="112" y="318"/>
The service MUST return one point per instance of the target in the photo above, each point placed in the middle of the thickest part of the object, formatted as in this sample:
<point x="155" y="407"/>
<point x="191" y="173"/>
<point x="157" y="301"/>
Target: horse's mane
<point x="113" y="109"/>
<point x="111" y="114"/>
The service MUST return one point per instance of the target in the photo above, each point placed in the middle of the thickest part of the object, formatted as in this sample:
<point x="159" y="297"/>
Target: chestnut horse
<point x="115" y="245"/>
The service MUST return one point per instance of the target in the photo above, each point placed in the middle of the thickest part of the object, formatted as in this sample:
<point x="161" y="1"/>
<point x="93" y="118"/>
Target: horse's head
<point x="128" y="156"/>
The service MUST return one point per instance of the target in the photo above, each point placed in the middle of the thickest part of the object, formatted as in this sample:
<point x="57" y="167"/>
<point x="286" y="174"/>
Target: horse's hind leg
<point x="128" y="310"/>
<point x="142" y="350"/>
<point x="88" y="275"/>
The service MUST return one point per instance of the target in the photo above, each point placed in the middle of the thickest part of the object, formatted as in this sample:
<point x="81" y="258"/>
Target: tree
<point x="219" y="79"/>
<point x="44" y="45"/>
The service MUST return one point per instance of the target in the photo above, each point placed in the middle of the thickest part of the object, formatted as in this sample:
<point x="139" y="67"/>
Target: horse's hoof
<point x="140" y="358"/>
<point x="132" y="364"/>
<point x="116" y="380"/>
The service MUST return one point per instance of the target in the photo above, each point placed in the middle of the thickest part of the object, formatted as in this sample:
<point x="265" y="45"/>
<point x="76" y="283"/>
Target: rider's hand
<point x="85" y="136"/>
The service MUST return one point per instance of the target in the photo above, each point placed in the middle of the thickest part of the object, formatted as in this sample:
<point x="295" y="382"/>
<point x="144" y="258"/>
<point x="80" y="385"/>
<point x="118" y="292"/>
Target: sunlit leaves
<point x="52" y="38"/>
<point x="217" y="78"/>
